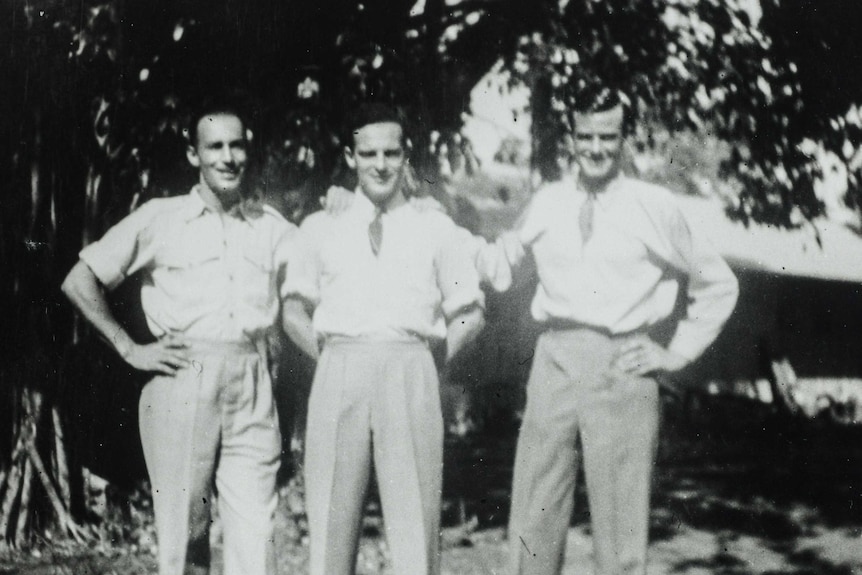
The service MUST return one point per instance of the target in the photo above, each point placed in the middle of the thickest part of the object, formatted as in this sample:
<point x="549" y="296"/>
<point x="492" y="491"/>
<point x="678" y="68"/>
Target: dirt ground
<point x="738" y="492"/>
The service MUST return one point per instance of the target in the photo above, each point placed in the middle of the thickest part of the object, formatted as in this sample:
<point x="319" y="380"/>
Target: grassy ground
<point x="737" y="492"/>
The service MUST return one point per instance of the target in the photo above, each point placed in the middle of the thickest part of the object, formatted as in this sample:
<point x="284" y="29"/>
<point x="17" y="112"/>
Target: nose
<point x="595" y="145"/>
<point x="379" y="162"/>
<point x="227" y="155"/>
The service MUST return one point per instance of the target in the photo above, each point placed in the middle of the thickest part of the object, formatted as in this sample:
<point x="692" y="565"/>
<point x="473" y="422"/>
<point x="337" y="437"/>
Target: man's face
<point x="220" y="154"/>
<point x="379" y="160"/>
<point x="598" y="143"/>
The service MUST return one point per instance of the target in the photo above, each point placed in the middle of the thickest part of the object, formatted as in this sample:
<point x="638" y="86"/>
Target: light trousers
<point x="210" y="427"/>
<point x="574" y="390"/>
<point x="374" y="401"/>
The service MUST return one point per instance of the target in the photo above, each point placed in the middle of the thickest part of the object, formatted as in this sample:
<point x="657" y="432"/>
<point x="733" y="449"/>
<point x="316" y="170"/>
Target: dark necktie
<point x="375" y="232"/>
<point x="585" y="218"/>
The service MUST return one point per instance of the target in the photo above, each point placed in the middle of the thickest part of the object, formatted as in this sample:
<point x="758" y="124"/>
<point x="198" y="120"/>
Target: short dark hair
<point x="375" y="113"/>
<point x="217" y="105"/>
<point x="599" y="98"/>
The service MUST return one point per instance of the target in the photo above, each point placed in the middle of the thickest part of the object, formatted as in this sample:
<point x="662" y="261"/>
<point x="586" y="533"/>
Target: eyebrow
<point x="231" y="143"/>
<point x="387" y="151"/>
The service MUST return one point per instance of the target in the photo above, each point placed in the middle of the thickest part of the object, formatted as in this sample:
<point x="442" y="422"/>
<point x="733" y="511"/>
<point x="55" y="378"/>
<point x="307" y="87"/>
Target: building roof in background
<point x="837" y="256"/>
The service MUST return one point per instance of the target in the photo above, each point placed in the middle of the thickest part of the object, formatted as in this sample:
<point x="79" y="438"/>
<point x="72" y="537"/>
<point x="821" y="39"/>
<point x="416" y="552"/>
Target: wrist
<point x="124" y="345"/>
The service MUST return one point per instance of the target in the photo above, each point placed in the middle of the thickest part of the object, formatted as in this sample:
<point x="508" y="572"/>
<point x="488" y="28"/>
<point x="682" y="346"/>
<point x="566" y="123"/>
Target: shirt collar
<point x="247" y="209"/>
<point x="609" y="190"/>
<point x="195" y="205"/>
<point x="363" y="204"/>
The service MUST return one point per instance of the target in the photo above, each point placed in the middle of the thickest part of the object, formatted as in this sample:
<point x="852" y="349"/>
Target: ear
<point x="192" y="155"/>
<point x="348" y="157"/>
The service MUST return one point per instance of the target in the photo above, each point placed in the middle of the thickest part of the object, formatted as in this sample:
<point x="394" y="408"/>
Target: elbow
<point x="475" y="321"/>
<point x="733" y="291"/>
<point x="66" y="288"/>
<point x="71" y="284"/>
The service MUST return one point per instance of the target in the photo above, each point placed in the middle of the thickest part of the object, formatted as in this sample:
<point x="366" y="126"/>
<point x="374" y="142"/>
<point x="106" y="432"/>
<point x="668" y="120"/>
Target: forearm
<point x="86" y="293"/>
<point x="463" y="329"/>
<point x="297" y="324"/>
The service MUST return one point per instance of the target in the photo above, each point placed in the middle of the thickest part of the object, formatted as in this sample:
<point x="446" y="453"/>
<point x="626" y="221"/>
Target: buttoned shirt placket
<point x="229" y="223"/>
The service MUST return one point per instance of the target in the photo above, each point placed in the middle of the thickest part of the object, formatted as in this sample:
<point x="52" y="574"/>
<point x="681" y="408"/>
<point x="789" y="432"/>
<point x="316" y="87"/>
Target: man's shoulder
<point x="155" y="212"/>
<point x="647" y="191"/>
<point x="427" y="219"/>
<point x="650" y="196"/>
<point x="549" y="195"/>
<point x="555" y="187"/>
<point x="317" y="219"/>
<point x="320" y="224"/>
<point x="271" y="216"/>
<point x="165" y="205"/>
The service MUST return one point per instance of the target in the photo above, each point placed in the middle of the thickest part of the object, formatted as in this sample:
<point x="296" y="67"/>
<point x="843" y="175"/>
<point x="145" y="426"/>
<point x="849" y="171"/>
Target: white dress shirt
<point x="423" y="275"/>
<point x="626" y="276"/>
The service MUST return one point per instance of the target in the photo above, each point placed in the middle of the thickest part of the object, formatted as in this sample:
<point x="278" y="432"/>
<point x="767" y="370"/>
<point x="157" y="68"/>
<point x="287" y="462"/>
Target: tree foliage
<point x="687" y="65"/>
<point x="96" y="94"/>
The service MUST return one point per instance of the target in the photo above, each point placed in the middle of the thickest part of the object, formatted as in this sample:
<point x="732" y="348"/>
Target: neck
<point x="395" y="200"/>
<point x="218" y="202"/>
<point x="597" y="186"/>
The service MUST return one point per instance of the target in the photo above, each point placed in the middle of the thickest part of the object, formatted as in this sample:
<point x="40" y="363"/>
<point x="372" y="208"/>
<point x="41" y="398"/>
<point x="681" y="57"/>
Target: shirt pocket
<point x="188" y="272"/>
<point x="256" y="278"/>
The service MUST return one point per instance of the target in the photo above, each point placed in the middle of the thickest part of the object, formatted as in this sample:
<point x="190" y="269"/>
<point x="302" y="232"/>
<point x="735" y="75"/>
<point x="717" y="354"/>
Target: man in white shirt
<point x="608" y="251"/>
<point x="211" y="261"/>
<point x="382" y="279"/>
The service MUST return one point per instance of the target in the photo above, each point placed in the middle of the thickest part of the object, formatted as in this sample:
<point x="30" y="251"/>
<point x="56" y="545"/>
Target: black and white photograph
<point x="434" y="287"/>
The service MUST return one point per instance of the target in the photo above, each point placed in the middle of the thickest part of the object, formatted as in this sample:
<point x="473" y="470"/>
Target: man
<point x="211" y="261"/>
<point x="607" y="249"/>
<point x="383" y="279"/>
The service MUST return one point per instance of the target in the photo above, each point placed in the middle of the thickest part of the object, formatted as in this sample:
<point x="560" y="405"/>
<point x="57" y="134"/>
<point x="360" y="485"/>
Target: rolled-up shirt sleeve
<point x="282" y="254"/>
<point x="124" y="249"/>
<point x="302" y="277"/>
<point x="457" y="276"/>
<point x="490" y="260"/>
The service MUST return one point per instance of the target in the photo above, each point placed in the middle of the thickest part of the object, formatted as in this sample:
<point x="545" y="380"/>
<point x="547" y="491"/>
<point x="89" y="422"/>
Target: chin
<point x="380" y="195"/>
<point x="596" y="176"/>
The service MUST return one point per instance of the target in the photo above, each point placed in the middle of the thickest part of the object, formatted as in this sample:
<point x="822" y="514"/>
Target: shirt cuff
<point x="305" y="291"/>
<point x="457" y="303"/>
<point x="685" y="347"/>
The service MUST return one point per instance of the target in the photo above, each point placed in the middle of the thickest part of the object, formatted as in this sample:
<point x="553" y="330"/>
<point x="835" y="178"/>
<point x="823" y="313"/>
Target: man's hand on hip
<point x="166" y="356"/>
<point x="642" y="356"/>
